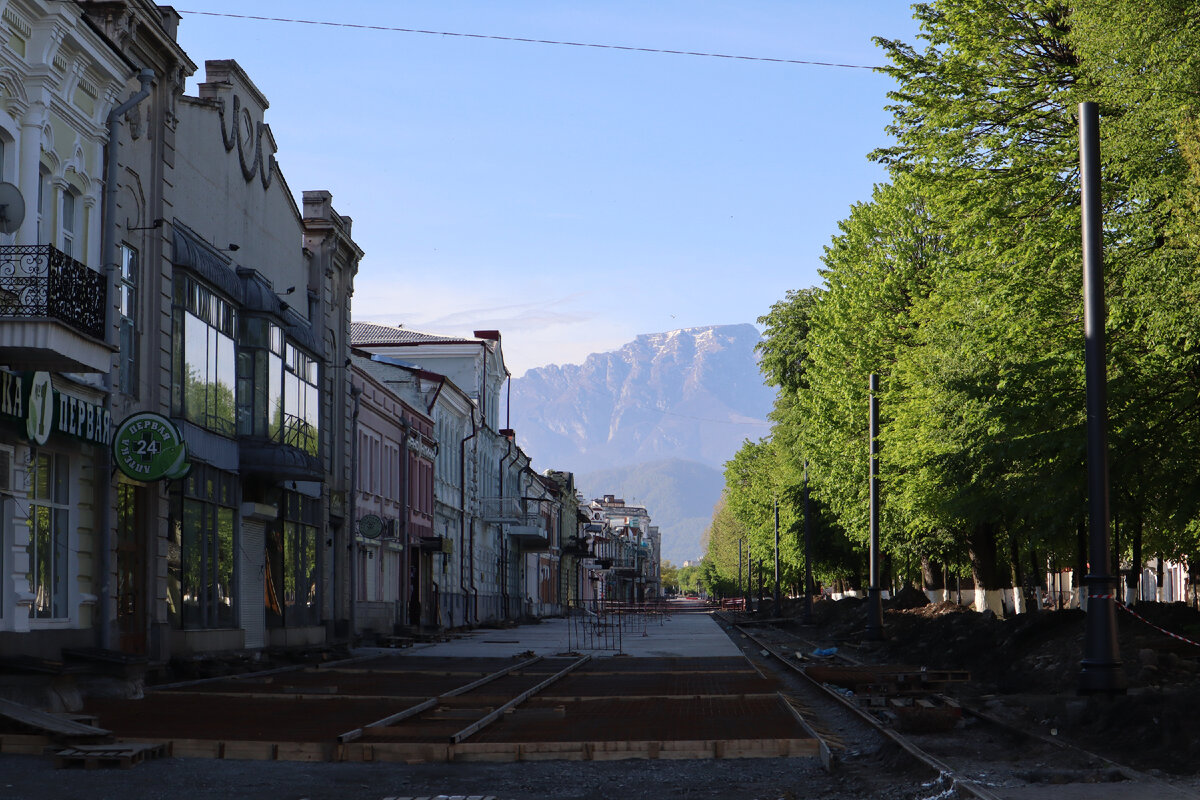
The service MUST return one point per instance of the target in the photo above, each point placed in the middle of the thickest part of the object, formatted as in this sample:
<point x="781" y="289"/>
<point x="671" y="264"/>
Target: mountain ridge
<point x="685" y="397"/>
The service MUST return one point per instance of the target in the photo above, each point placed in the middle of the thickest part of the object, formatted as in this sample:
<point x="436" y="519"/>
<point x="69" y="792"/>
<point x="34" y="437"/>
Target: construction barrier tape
<point x="1152" y="625"/>
<point x="1101" y="596"/>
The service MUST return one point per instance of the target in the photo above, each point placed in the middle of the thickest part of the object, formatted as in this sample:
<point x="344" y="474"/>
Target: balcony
<point x="52" y="308"/>
<point x="503" y="509"/>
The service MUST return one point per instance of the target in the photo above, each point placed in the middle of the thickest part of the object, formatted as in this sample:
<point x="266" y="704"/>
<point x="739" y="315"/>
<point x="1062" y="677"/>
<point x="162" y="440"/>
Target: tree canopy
<point x="959" y="283"/>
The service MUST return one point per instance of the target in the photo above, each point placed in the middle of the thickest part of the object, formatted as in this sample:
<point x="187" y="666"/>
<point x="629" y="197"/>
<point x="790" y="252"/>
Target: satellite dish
<point x="12" y="208"/>
<point x="370" y="526"/>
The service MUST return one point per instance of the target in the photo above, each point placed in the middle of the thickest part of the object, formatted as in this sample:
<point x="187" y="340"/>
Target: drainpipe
<point x="462" y="522"/>
<point x="405" y="500"/>
<point x="352" y="509"/>
<point x="503" y="539"/>
<point x="108" y="256"/>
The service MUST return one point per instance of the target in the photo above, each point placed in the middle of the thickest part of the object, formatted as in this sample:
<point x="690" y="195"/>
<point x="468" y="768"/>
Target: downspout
<point x="462" y="523"/>
<point x="108" y="256"/>
<point x="352" y="523"/>
<point x="405" y="501"/>
<point x="504" y="597"/>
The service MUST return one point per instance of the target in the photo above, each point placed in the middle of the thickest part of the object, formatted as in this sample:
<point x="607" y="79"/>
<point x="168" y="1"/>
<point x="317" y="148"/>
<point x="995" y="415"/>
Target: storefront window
<point x="200" y="553"/>
<point x="293" y="565"/>
<point x="47" y="549"/>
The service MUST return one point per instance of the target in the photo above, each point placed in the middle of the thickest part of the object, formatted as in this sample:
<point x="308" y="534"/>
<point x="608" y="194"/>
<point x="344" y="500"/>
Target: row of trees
<point x="959" y="283"/>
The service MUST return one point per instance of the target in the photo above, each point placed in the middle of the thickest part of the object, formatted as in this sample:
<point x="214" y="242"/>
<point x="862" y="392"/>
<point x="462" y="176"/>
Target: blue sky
<point x="570" y="197"/>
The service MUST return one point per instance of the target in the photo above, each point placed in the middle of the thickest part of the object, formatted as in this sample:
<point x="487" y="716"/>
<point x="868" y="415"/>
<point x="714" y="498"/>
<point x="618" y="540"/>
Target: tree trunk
<point x="1158" y="592"/>
<point x="933" y="579"/>
<point x="1134" y="576"/>
<point x="1014" y="563"/>
<point x="981" y="550"/>
<point x="1038" y="577"/>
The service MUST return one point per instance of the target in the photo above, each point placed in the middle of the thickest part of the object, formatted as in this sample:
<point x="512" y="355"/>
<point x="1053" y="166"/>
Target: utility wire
<point x="526" y="40"/>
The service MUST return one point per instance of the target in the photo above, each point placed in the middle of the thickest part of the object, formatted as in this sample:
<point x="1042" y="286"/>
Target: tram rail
<point x="982" y="757"/>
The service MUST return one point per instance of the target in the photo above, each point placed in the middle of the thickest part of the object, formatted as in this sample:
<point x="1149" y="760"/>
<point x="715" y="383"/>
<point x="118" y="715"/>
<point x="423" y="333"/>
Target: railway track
<point x="967" y="752"/>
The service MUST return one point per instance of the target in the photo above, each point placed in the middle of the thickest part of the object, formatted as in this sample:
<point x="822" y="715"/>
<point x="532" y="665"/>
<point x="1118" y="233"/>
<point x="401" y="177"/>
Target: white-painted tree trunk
<point x="1018" y="601"/>
<point x="934" y="595"/>
<point x="1039" y="597"/>
<point x="990" y="599"/>
<point x="1130" y="595"/>
<point x="1081" y="597"/>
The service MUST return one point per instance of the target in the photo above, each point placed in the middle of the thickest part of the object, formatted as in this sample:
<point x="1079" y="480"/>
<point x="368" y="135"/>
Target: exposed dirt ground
<point x="1026" y="668"/>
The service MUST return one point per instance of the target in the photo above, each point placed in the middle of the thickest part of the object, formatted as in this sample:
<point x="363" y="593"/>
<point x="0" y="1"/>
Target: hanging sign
<point x="370" y="526"/>
<point x="148" y="447"/>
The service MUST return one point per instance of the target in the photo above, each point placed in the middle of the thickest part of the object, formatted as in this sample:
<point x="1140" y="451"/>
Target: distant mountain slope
<point x="693" y="394"/>
<point x="654" y="421"/>
<point x="679" y="495"/>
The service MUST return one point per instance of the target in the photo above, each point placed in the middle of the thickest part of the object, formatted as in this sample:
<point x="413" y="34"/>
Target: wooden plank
<point x="50" y="724"/>
<point x="489" y="678"/>
<point x="516" y="701"/>
<point x="357" y="733"/>
<point x="24" y="744"/>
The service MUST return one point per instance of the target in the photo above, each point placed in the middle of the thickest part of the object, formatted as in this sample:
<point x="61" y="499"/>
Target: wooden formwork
<point x="504" y="752"/>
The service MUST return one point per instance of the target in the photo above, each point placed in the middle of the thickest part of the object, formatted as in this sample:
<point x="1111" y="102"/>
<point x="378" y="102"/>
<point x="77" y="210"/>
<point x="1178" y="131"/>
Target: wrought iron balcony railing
<point x="42" y="281"/>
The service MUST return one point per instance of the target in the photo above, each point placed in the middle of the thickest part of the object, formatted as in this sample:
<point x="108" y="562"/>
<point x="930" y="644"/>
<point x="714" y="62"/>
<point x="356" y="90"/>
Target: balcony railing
<point x="503" y="509"/>
<point x="42" y="281"/>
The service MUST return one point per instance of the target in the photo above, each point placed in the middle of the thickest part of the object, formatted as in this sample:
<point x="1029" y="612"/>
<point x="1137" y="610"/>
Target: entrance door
<point x="131" y="568"/>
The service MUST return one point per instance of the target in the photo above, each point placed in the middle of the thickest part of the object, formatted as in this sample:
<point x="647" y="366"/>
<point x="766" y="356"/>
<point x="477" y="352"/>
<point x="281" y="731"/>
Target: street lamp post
<point x="743" y="594"/>
<point x="808" y="581"/>
<point x="778" y="595"/>
<point x="1100" y="670"/>
<point x="874" y="630"/>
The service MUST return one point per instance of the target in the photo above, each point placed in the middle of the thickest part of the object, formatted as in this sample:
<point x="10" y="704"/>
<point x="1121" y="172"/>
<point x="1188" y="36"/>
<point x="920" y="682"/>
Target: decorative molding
<point x="18" y="24"/>
<point x="87" y="85"/>
<point x="241" y="128"/>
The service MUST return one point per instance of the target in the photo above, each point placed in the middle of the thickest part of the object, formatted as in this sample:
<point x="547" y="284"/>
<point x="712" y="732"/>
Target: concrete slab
<point x="684" y="635"/>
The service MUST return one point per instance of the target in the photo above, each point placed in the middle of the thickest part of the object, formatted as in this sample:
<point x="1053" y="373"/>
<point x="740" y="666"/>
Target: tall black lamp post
<point x="808" y="580"/>
<point x="778" y="595"/>
<point x="1101" y="670"/>
<point x="874" y="631"/>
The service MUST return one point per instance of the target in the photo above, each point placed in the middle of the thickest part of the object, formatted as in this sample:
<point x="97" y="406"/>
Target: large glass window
<point x="200" y="554"/>
<point x="205" y="370"/>
<point x="300" y="405"/>
<point x="48" y="521"/>
<point x="293" y="565"/>
<point x="277" y="388"/>
<point x="130" y="277"/>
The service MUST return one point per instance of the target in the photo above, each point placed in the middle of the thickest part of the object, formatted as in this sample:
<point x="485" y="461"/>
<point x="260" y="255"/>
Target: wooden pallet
<point x="121" y="754"/>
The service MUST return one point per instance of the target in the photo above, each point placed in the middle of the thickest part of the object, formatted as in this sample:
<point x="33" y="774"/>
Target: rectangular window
<point x="200" y="554"/>
<point x="68" y="223"/>
<point x="47" y="548"/>
<point x="205" y="367"/>
<point x="301" y="420"/>
<point x="129" y="280"/>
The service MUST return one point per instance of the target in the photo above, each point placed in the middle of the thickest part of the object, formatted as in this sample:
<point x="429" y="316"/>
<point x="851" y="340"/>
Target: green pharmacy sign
<point x="148" y="447"/>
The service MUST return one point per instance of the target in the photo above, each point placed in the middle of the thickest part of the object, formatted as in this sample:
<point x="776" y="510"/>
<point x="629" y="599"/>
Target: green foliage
<point x="959" y="284"/>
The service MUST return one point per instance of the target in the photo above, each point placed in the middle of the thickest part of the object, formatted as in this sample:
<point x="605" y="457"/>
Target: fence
<point x="603" y="624"/>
